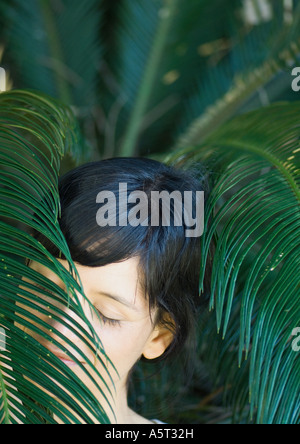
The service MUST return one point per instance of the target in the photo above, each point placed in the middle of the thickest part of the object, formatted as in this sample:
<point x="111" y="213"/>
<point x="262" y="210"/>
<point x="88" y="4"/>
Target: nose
<point x="66" y="329"/>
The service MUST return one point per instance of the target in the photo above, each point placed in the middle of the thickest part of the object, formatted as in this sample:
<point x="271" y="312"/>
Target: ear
<point x="158" y="342"/>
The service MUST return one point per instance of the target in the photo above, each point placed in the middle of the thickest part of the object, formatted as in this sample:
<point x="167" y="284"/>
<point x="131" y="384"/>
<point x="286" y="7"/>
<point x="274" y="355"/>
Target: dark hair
<point x="169" y="261"/>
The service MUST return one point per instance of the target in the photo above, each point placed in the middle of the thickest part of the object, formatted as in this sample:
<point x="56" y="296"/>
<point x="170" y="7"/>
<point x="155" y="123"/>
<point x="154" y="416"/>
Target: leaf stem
<point x="270" y="158"/>
<point x="55" y="51"/>
<point x="134" y="127"/>
<point x="3" y="392"/>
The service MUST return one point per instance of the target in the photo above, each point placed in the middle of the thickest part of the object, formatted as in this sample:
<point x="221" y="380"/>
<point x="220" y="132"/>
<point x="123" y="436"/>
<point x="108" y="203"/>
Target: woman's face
<point x="125" y="325"/>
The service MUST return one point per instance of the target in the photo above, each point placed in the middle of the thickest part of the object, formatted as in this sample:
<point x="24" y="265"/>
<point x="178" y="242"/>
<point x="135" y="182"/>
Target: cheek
<point x="125" y="344"/>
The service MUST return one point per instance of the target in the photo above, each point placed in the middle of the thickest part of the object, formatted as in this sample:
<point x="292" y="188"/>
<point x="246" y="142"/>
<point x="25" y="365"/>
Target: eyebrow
<point x="119" y="299"/>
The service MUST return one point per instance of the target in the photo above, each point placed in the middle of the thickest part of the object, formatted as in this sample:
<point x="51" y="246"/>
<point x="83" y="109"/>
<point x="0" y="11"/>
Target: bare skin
<point x="125" y="327"/>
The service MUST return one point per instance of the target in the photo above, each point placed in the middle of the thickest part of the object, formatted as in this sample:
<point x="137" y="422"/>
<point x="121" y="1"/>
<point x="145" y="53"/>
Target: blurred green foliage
<point x="160" y="78"/>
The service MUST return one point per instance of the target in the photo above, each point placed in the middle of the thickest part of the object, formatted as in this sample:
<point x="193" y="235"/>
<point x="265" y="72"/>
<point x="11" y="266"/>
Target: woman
<point x="143" y="280"/>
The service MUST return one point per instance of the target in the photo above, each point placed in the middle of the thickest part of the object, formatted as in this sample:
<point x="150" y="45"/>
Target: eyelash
<point x="108" y="321"/>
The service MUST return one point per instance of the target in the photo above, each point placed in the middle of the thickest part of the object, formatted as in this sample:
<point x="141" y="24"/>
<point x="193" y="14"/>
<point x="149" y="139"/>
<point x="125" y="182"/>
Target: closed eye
<point x="106" y="320"/>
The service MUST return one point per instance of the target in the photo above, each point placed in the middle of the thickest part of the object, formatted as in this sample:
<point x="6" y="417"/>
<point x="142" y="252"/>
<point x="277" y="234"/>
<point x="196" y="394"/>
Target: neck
<point x="122" y="413"/>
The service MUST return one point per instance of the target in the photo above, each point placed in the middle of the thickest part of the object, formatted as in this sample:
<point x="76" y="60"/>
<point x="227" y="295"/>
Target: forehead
<point x="121" y="279"/>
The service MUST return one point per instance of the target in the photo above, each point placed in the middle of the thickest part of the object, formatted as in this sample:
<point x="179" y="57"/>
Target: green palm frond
<point x="35" y="132"/>
<point x="156" y="62"/>
<point x="257" y="57"/>
<point x="145" y="76"/>
<point x="149" y="52"/>
<point x="56" y="48"/>
<point x="253" y="216"/>
<point x="156" y="77"/>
